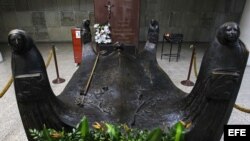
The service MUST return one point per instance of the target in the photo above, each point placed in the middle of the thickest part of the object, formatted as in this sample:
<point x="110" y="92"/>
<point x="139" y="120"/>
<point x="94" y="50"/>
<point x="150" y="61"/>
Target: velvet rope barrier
<point x="195" y="66"/>
<point x="6" y="87"/>
<point x="241" y="108"/>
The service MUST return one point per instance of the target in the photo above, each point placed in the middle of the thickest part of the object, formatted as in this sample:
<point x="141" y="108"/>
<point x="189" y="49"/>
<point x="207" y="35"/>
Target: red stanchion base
<point x="58" y="80"/>
<point x="187" y="83"/>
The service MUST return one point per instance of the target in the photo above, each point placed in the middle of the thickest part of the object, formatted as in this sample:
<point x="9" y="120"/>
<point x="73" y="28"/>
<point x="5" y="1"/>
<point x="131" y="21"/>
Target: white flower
<point x="99" y="40"/>
<point x="108" y="40"/>
<point x="102" y="33"/>
<point x="106" y="28"/>
<point x="96" y="25"/>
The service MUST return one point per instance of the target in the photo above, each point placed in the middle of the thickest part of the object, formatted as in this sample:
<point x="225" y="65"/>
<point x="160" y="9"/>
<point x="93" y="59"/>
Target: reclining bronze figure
<point x="131" y="88"/>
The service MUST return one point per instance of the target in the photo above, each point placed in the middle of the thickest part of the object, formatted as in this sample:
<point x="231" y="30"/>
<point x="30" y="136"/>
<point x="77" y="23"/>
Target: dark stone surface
<point x="30" y="30"/>
<point x="41" y="33"/>
<point x="177" y="16"/>
<point x="38" y="19"/>
<point x="21" y="5"/>
<point x="24" y="19"/>
<point x="40" y="27"/>
<point x="233" y="6"/>
<point x="180" y="16"/>
<point x="86" y="5"/>
<point x="50" y="5"/>
<point x="79" y="16"/>
<point x="1" y="22"/>
<point x="67" y="18"/>
<point x="36" y="5"/>
<point x="65" y="5"/>
<point x="7" y="8"/>
<point x="52" y="19"/>
<point x="9" y="20"/>
<point x="76" y="5"/>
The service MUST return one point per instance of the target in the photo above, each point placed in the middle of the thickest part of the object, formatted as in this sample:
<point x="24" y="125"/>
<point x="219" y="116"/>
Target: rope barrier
<point x="195" y="66"/>
<point x="236" y="106"/>
<point x="7" y="86"/>
<point x="49" y="58"/>
<point x="243" y="109"/>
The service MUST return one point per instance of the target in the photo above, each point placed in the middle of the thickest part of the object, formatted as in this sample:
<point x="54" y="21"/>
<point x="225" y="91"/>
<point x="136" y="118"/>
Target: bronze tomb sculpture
<point x="131" y="88"/>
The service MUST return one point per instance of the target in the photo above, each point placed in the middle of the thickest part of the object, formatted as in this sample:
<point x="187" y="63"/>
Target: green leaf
<point x="84" y="127"/>
<point x="112" y="131"/>
<point x="46" y="134"/>
<point x="179" y="132"/>
<point x="155" y="135"/>
<point x="30" y="130"/>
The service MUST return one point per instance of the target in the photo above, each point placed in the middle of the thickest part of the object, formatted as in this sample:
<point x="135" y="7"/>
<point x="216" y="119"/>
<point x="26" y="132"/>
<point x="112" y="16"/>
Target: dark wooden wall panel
<point x="124" y="19"/>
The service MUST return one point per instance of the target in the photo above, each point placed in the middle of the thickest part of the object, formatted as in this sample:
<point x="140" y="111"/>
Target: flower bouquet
<point x="102" y="33"/>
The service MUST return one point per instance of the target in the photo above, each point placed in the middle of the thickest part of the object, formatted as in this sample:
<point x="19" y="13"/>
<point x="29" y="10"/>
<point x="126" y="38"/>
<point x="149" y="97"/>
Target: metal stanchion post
<point x="189" y="82"/>
<point x="58" y="80"/>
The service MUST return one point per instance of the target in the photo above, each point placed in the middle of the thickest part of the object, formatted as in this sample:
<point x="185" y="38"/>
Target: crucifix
<point x="109" y="6"/>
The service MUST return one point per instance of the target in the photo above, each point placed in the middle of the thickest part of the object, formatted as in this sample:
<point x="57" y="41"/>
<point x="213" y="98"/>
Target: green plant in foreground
<point x="108" y="132"/>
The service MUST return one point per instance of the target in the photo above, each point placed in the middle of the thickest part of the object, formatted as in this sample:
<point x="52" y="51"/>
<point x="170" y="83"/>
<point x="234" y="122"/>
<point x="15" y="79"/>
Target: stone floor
<point x="11" y="128"/>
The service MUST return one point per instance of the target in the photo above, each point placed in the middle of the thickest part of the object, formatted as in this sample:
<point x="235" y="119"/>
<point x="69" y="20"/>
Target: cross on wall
<point x="109" y="6"/>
